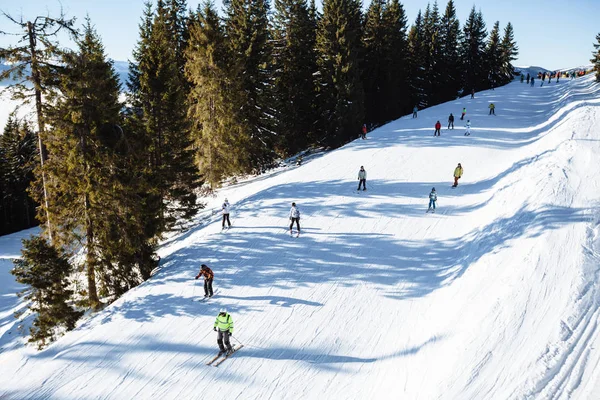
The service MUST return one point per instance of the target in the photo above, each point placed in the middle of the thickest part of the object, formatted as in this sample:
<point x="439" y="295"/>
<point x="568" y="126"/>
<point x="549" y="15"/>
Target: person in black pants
<point x="451" y="121"/>
<point x="294" y="217"/>
<point x="208" y="280"/>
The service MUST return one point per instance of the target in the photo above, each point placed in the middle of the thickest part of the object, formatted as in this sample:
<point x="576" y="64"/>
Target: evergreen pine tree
<point x="294" y="65"/>
<point x="508" y="53"/>
<point x="449" y="61"/>
<point x="493" y="57"/>
<point x="18" y="157"/>
<point x="45" y="270"/>
<point x="596" y="57"/>
<point x="247" y="31"/>
<point x="34" y="70"/>
<point x="431" y="65"/>
<point x="416" y="50"/>
<point x="396" y="89"/>
<point x="375" y="64"/>
<point x="218" y="135"/>
<point x="339" y="83"/>
<point x="473" y="52"/>
<point x="159" y="107"/>
<point x="83" y="194"/>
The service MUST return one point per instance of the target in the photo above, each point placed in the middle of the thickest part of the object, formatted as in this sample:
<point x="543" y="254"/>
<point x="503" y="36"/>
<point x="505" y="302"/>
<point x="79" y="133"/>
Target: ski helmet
<point x="293" y="204"/>
<point x="204" y="266"/>
<point x="433" y="189"/>
<point x="223" y="311"/>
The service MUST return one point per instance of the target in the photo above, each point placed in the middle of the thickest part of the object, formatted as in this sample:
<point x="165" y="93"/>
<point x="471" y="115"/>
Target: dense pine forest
<point x="211" y="94"/>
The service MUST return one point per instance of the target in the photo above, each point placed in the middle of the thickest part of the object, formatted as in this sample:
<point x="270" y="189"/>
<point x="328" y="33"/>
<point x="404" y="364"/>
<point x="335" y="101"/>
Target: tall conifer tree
<point x="375" y="63"/>
<point x="217" y="134"/>
<point x="396" y="90"/>
<point x="339" y="55"/>
<point x="18" y="158"/>
<point x="473" y="52"/>
<point x="34" y="68"/>
<point x="159" y="105"/>
<point x="83" y="193"/>
<point x="508" y="53"/>
<point x="493" y="59"/>
<point x="432" y="55"/>
<point x="247" y="31"/>
<point x="294" y="66"/>
<point x="416" y="50"/>
<point x="450" y="62"/>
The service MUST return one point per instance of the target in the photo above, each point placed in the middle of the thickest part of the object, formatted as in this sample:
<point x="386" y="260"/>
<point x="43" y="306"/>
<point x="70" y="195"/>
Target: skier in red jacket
<point x="438" y="127"/>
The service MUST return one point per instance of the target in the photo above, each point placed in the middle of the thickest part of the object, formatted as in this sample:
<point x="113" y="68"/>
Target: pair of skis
<point x="220" y="358"/>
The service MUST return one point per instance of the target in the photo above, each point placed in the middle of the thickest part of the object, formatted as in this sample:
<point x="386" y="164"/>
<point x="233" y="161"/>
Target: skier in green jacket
<point x="224" y="327"/>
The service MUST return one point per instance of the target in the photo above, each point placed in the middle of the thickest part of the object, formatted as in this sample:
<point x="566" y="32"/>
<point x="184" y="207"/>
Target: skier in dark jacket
<point x="224" y="325"/>
<point x="451" y="121"/>
<point x="208" y="279"/>
<point x="528" y="78"/>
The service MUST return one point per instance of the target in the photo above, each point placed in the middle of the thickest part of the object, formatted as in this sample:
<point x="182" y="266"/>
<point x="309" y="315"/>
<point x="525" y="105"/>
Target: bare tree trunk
<point x="90" y="258"/>
<point x="35" y="74"/>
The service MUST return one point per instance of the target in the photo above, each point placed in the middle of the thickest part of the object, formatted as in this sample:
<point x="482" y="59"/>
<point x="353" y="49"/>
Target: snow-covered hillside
<point x="496" y="296"/>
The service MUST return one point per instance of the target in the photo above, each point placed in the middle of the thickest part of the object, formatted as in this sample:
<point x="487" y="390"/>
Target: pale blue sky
<point x="552" y="34"/>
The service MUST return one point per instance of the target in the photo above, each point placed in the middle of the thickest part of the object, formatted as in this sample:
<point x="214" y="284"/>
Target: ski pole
<point x="237" y="339"/>
<point x="194" y="290"/>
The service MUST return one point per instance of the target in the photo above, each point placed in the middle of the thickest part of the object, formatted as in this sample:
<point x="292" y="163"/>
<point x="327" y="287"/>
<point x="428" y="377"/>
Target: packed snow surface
<point x="495" y="296"/>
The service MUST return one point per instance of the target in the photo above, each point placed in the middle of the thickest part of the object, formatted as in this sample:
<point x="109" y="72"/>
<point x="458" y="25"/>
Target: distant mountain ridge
<point x="121" y="68"/>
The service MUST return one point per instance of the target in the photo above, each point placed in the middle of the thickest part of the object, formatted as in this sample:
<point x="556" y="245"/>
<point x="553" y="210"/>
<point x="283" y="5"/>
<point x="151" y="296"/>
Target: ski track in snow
<point x="494" y="296"/>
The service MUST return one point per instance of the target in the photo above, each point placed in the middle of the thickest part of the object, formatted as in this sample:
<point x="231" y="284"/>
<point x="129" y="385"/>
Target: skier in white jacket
<point x="294" y="217"/>
<point x="225" y="212"/>
<point x="468" y="126"/>
<point x="362" y="178"/>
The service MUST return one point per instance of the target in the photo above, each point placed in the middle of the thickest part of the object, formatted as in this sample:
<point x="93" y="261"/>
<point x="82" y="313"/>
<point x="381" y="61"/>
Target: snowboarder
<point x="458" y="171"/>
<point x="224" y="327"/>
<point x="472" y="93"/>
<point x="363" y="134"/>
<point x="225" y="211"/>
<point x="362" y="178"/>
<point x="532" y="81"/>
<point x="468" y="126"/>
<point x="464" y="112"/>
<point x="415" y="109"/>
<point x="432" y="200"/>
<point x="208" y="279"/>
<point x="451" y="121"/>
<point x="528" y="78"/>
<point x="299" y="160"/>
<point x="557" y="76"/>
<point x="295" y="217"/>
<point x="522" y="77"/>
<point x="492" y="108"/>
<point x="438" y="127"/>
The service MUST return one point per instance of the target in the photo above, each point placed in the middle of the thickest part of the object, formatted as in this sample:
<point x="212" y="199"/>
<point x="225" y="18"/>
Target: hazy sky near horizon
<point x="553" y="34"/>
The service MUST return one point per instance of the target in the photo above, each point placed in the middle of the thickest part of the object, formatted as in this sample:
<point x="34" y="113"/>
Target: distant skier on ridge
<point x="224" y="327"/>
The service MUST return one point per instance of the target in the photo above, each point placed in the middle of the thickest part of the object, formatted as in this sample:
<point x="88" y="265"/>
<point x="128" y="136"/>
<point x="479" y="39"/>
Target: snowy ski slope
<point x="495" y="296"/>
